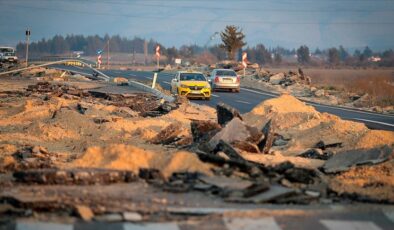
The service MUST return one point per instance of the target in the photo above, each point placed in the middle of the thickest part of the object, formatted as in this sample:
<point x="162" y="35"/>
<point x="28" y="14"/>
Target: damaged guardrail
<point x="100" y="74"/>
<point x="153" y="91"/>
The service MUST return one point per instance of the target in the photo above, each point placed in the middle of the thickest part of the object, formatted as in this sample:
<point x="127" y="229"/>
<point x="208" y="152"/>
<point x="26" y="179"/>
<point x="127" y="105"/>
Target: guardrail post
<point x="154" y="80"/>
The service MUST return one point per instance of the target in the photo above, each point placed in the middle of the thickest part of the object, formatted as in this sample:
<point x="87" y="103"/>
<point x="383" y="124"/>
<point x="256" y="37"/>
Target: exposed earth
<point x="71" y="149"/>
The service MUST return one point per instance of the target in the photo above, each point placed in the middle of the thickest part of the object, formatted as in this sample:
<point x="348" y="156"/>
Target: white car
<point x="225" y="79"/>
<point x="7" y="54"/>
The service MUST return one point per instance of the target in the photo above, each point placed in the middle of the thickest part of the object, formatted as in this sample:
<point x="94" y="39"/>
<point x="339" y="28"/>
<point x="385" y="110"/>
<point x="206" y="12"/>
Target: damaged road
<point x="86" y="154"/>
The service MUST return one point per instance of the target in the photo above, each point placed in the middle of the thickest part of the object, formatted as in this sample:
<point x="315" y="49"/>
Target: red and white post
<point x="99" y="61"/>
<point x="158" y="56"/>
<point x="244" y="61"/>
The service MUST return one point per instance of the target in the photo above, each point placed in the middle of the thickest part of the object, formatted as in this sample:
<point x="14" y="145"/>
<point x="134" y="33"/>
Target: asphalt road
<point x="249" y="98"/>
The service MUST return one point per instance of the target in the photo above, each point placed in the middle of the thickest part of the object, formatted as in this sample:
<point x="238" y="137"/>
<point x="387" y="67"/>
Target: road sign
<point x="99" y="60"/>
<point x="158" y="55"/>
<point x="158" y="51"/>
<point x="244" y="60"/>
<point x="99" y="51"/>
<point x="178" y="61"/>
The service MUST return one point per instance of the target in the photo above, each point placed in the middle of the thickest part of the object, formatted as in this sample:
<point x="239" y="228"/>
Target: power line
<point x="200" y="19"/>
<point x="235" y="9"/>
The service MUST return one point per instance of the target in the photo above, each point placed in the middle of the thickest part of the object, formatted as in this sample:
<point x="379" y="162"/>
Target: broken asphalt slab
<point x="345" y="160"/>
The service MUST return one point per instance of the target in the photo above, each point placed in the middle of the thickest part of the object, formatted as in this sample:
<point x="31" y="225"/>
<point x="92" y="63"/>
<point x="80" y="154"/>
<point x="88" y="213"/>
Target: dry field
<point x="379" y="83"/>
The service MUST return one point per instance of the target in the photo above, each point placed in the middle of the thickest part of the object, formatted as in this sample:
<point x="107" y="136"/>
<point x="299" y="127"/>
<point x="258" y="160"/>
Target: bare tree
<point x="233" y="39"/>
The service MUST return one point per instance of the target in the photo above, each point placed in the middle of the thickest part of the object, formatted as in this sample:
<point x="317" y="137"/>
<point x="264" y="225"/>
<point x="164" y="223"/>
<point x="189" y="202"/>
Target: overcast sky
<point x="287" y="23"/>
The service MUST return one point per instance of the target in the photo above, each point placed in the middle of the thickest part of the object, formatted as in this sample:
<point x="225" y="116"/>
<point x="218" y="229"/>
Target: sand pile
<point x="303" y="127"/>
<point x="82" y="125"/>
<point x="370" y="181"/>
<point x="127" y="157"/>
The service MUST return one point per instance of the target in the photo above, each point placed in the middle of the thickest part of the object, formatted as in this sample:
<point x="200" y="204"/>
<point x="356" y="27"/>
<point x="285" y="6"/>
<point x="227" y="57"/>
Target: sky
<point x="286" y="23"/>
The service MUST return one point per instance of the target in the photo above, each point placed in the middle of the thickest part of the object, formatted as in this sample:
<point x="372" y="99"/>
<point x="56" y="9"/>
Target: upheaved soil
<point x="97" y="135"/>
<point x="305" y="127"/>
<point x="375" y="182"/>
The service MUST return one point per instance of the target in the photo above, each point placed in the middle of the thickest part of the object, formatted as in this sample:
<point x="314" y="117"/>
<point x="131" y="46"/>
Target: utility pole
<point x="145" y="52"/>
<point x="108" y="54"/>
<point x="133" y="56"/>
<point x="27" y="45"/>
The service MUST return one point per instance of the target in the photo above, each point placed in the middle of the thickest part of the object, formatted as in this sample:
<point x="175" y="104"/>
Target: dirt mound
<point x="304" y="127"/>
<point x="375" y="182"/>
<point x="127" y="157"/>
<point x="287" y="110"/>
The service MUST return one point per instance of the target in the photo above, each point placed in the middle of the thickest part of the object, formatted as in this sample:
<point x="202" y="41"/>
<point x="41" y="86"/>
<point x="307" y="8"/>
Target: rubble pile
<point x="145" y="104"/>
<point x="123" y="156"/>
<point x="283" y="79"/>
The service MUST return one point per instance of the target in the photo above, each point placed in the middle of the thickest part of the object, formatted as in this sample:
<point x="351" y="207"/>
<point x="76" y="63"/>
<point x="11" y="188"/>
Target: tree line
<point x="232" y="46"/>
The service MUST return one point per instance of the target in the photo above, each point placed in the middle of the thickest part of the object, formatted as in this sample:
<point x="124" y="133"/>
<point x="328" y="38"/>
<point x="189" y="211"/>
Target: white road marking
<point x="214" y="95"/>
<point x="349" y="225"/>
<point x="376" y="122"/>
<point x="266" y="223"/>
<point x="155" y="226"/>
<point x="149" y="78"/>
<point x="244" y="102"/>
<point x="389" y="215"/>
<point x="30" y="225"/>
<point x="167" y="82"/>
<point x="254" y="91"/>
<point x="345" y="109"/>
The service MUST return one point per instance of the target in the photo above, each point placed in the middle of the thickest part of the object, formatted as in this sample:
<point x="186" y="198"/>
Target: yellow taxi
<point x="191" y="84"/>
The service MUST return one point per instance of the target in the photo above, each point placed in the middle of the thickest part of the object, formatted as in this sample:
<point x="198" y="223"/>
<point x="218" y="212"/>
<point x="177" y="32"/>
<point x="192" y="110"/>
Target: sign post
<point x="158" y="56"/>
<point x="244" y="61"/>
<point x="27" y="45"/>
<point x="99" y="52"/>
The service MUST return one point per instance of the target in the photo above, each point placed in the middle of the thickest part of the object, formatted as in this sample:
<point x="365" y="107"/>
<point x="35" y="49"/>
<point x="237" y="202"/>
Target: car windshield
<point x="226" y="73"/>
<point x="6" y="50"/>
<point x="192" y="77"/>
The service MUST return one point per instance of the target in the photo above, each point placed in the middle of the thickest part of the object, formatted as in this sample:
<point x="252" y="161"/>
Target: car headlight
<point x="184" y="86"/>
<point x="207" y="86"/>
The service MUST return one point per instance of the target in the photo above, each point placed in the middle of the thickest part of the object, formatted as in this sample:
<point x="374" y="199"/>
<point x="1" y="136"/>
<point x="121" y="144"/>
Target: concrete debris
<point x="73" y="176"/>
<point x="343" y="161"/>
<point x="316" y="153"/>
<point x="226" y="113"/>
<point x="203" y="131"/>
<point x="226" y="148"/>
<point x="113" y="217"/>
<point x="132" y="216"/>
<point x="237" y="131"/>
<point x="273" y="193"/>
<point x="168" y="135"/>
<point x="144" y="104"/>
<point x="226" y="182"/>
<point x="324" y="145"/>
<point x="300" y="175"/>
<point x="269" y="135"/>
<point x="277" y="78"/>
<point x="246" y="146"/>
<point x="84" y="212"/>
<point x="284" y="79"/>
<point x="236" y="159"/>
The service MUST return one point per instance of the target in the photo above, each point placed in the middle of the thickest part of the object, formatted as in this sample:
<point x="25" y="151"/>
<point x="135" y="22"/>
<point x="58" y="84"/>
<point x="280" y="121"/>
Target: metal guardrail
<point x="151" y="90"/>
<point x="100" y="74"/>
<point x="56" y="58"/>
